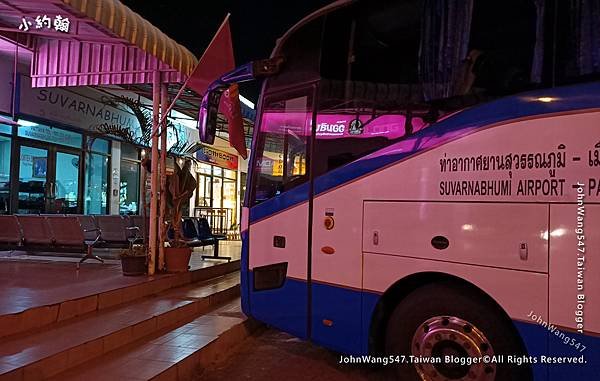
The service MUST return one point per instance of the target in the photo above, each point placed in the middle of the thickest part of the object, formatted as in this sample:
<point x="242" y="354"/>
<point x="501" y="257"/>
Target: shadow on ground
<point x="274" y="355"/>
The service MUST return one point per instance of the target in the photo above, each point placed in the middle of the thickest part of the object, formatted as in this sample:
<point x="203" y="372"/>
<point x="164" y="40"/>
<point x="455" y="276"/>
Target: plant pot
<point x="134" y="265"/>
<point x="177" y="259"/>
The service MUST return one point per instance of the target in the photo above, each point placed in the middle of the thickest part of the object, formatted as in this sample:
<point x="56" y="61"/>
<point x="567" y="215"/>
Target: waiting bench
<point x="68" y="233"/>
<point x="197" y="233"/>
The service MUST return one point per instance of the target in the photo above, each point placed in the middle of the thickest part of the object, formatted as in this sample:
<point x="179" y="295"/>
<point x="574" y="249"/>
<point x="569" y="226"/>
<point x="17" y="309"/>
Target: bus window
<point x="501" y="51"/>
<point x="577" y="41"/>
<point x="389" y="69"/>
<point x="281" y="155"/>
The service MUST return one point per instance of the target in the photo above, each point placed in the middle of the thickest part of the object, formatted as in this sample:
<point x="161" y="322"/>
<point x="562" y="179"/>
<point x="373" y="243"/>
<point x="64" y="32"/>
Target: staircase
<point x="166" y="335"/>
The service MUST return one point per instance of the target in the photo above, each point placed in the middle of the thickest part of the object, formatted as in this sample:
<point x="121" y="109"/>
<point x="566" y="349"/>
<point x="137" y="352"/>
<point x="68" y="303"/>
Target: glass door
<point x="48" y="180"/>
<point x="65" y="192"/>
<point x="34" y="189"/>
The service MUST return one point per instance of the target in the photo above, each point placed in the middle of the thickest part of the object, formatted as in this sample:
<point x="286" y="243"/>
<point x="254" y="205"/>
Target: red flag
<point x="233" y="112"/>
<point x="217" y="60"/>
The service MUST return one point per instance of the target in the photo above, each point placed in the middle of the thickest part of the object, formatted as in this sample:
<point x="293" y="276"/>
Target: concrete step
<point x="94" y="288"/>
<point x="171" y="355"/>
<point x="46" y="353"/>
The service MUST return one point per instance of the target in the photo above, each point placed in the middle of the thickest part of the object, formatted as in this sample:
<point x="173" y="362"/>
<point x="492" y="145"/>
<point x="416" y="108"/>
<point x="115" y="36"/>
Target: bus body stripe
<point x="504" y="110"/>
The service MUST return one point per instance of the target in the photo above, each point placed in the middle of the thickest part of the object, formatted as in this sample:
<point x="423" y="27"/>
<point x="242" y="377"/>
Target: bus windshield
<point x="369" y="73"/>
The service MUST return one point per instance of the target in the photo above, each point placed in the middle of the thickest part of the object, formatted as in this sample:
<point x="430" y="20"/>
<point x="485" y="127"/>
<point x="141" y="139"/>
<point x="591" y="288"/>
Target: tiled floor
<point x="28" y="281"/>
<point x="151" y="320"/>
<point x="170" y="354"/>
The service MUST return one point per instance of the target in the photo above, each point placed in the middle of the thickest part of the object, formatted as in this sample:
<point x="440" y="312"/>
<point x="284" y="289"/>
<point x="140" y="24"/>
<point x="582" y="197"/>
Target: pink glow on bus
<point x="335" y="126"/>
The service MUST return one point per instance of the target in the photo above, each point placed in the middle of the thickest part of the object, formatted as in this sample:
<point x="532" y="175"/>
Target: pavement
<point x="29" y="281"/>
<point x="274" y="355"/>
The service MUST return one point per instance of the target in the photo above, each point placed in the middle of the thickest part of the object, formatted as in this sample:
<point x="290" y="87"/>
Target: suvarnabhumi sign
<point x="217" y="157"/>
<point x="59" y="105"/>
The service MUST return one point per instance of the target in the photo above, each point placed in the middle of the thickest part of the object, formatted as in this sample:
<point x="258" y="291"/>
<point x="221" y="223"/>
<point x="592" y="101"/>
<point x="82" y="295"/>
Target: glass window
<point x="281" y="155"/>
<point x="217" y="171"/>
<point x="36" y="131"/>
<point x="5" y="129"/>
<point x="302" y="52"/>
<point x="99" y="145"/>
<point x="4" y="175"/>
<point x="217" y="189"/>
<point x="204" y="168"/>
<point x="204" y="190"/>
<point x="230" y="174"/>
<point x="129" y="152"/>
<point x="243" y="179"/>
<point x="230" y="200"/>
<point x="67" y="183"/>
<point x="33" y="189"/>
<point x="96" y="184"/>
<point x="577" y="41"/>
<point x="129" y="188"/>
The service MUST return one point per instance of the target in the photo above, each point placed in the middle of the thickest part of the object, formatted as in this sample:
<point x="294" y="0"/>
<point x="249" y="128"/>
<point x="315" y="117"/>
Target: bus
<point x="424" y="187"/>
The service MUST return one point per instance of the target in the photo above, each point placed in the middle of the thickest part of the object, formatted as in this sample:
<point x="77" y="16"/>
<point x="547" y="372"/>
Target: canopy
<point x="103" y="43"/>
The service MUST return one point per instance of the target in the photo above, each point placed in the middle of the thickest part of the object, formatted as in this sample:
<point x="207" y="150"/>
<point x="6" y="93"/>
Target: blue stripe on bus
<point x="280" y="202"/>
<point x="342" y="307"/>
<point x="577" y="97"/>
<point x="284" y="308"/>
<point x="536" y="344"/>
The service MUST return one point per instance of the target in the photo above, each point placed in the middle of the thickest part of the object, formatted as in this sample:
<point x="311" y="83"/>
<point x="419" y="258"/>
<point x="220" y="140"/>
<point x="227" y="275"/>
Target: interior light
<point x="546" y="99"/>
<point x="26" y="123"/>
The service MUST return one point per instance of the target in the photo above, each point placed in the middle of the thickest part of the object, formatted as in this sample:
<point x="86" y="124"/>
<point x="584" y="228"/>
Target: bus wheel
<point x="449" y="330"/>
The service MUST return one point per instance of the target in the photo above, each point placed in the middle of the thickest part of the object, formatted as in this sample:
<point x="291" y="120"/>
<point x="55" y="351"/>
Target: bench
<point x="205" y="233"/>
<point x="69" y="234"/>
<point x="79" y="233"/>
<point x="196" y="235"/>
<point x="10" y="234"/>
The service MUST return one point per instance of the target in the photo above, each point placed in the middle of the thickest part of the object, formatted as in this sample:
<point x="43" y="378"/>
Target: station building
<point x="53" y="158"/>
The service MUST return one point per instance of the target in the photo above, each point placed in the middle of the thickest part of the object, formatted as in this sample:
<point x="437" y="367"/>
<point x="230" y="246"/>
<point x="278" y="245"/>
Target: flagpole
<point x="163" y="117"/>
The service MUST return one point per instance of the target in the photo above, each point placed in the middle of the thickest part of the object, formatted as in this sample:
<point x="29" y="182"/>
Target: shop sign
<point x="58" y="105"/>
<point x="58" y="23"/>
<point x="50" y="134"/>
<point x="218" y="158"/>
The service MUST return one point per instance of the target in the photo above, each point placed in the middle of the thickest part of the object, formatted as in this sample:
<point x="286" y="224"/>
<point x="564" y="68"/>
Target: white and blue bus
<point x="424" y="185"/>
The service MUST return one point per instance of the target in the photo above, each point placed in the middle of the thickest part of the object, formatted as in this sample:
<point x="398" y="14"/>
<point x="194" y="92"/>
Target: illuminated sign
<point x="58" y="23"/>
<point x="217" y="157"/>
<point x="49" y="134"/>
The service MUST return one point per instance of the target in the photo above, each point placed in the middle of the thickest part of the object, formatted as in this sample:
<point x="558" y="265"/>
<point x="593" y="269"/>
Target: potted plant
<point x="180" y="187"/>
<point x="133" y="260"/>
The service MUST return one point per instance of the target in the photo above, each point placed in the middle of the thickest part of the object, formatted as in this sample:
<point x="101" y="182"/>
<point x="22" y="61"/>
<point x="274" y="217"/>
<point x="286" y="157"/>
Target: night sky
<point x="255" y="25"/>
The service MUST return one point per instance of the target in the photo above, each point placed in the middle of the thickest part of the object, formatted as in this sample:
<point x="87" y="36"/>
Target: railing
<point x="219" y="219"/>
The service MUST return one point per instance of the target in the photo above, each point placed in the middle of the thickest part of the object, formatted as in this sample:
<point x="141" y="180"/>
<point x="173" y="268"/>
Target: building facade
<point x="54" y="161"/>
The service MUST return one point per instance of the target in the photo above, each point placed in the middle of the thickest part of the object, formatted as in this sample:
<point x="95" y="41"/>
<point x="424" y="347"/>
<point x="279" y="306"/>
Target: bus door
<point x="279" y="213"/>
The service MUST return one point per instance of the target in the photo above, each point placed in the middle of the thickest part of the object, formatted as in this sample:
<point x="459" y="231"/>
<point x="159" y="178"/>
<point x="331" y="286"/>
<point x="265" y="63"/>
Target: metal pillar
<point x="162" y="227"/>
<point x="154" y="176"/>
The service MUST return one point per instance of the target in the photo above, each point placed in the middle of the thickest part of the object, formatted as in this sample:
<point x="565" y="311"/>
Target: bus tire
<point x="449" y="319"/>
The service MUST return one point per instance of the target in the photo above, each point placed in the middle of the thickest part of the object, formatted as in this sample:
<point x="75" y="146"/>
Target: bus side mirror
<point x="209" y="110"/>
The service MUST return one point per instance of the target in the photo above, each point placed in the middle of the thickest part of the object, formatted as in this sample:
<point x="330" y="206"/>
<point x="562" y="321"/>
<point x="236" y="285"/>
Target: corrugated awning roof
<point x="125" y="23"/>
<point x="107" y="44"/>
